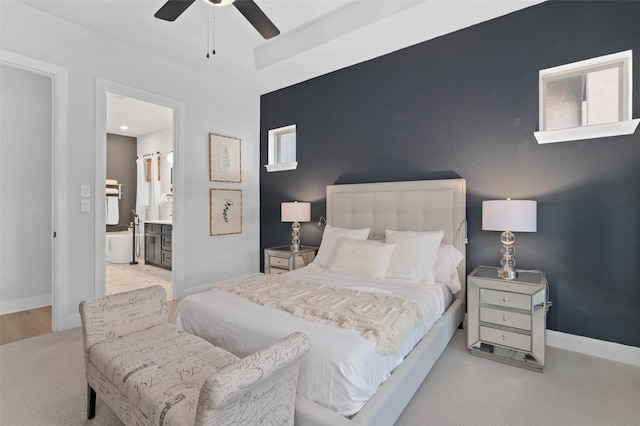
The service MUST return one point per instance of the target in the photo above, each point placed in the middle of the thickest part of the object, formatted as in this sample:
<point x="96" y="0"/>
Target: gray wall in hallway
<point x="26" y="185"/>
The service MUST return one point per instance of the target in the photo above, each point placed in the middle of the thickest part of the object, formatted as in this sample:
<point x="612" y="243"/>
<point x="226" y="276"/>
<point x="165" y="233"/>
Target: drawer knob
<point x="504" y="299"/>
<point x="504" y="318"/>
<point x="504" y="337"/>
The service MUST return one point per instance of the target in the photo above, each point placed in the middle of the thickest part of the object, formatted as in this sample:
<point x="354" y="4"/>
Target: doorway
<point x="139" y="194"/>
<point x="33" y="160"/>
<point x="122" y="105"/>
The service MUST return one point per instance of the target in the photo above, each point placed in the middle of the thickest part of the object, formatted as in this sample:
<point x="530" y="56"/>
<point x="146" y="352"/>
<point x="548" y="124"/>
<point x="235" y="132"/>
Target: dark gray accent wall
<point x="466" y="104"/>
<point x="121" y="165"/>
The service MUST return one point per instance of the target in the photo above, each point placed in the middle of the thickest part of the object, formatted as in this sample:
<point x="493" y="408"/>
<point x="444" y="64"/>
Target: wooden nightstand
<point x="507" y="318"/>
<point x="282" y="259"/>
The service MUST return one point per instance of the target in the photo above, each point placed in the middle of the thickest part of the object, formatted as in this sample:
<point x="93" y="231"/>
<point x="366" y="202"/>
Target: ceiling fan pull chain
<point x="213" y="31"/>
<point x="208" y="26"/>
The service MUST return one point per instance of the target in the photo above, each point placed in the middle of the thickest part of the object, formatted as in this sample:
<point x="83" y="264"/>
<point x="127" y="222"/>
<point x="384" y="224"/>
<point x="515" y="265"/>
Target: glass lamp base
<point x="507" y="273"/>
<point x="295" y="234"/>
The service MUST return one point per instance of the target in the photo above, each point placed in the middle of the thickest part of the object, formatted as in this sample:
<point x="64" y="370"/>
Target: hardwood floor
<point x="34" y="322"/>
<point x="25" y="324"/>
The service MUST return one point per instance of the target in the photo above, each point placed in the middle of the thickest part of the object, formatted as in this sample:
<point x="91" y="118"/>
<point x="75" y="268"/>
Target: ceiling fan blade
<point x="257" y="18"/>
<point x="172" y="9"/>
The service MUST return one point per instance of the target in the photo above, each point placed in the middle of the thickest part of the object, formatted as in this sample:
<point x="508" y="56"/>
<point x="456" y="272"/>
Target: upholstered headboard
<point x="425" y="205"/>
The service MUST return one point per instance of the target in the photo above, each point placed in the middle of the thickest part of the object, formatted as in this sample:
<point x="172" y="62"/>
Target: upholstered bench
<point x="149" y="372"/>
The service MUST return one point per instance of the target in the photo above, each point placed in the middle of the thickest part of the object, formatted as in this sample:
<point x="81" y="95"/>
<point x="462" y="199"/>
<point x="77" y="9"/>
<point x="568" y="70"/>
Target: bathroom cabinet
<point x="157" y="244"/>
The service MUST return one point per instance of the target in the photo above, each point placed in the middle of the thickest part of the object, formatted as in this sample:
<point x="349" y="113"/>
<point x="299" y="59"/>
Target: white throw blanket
<point x="382" y="317"/>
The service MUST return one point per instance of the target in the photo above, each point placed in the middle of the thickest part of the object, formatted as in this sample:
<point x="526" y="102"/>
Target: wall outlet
<point x="85" y="206"/>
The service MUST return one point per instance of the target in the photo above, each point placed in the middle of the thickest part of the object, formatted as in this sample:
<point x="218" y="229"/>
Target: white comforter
<point x="343" y="369"/>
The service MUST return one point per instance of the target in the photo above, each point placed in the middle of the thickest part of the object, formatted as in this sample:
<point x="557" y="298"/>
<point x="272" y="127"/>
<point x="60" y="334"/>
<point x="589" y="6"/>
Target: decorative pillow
<point x="455" y="285"/>
<point x="361" y="257"/>
<point x="415" y="256"/>
<point x="330" y="238"/>
<point x="447" y="263"/>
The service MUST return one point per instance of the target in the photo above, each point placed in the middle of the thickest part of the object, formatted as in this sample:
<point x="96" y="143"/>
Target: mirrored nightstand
<point x="507" y="318"/>
<point x="278" y="260"/>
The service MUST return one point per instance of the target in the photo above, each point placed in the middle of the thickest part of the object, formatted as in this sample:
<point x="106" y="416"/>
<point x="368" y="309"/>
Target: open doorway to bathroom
<point x="138" y="194"/>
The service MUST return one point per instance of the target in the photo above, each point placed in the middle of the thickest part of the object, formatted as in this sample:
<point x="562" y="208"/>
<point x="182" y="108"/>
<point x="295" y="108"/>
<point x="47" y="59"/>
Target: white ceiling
<point x="140" y="117"/>
<point x="317" y="36"/>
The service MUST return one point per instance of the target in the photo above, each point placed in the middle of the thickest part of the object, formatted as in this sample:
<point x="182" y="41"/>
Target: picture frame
<point x="225" y="211"/>
<point x="225" y="163"/>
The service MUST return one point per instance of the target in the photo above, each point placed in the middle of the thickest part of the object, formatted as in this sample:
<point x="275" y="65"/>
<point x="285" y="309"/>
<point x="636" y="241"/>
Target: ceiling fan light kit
<point x="248" y="8"/>
<point x="219" y="2"/>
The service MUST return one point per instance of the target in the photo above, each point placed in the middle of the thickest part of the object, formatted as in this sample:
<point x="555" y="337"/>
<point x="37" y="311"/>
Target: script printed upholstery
<point x="160" y="370"/>
<point x="151" y="373"/>
<point x="117" y="315"/>
<point x="267" y="378"/>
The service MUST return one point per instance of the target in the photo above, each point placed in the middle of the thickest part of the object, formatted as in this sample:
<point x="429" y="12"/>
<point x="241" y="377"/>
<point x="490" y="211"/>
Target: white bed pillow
<point x="330" y="238"/>
<point x="415" y="256"/>
<point x="447" y="263"/>
<point x="361" y="257"/>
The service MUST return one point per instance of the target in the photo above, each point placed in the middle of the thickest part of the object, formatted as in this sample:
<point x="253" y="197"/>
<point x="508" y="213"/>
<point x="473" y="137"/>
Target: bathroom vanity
<point x="157" y="243"/>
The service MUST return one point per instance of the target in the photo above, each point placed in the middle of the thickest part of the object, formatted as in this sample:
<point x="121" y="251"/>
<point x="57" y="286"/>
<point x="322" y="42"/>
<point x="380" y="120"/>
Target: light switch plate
<point x="85" y="190"/>
<point x="85" y="206"/>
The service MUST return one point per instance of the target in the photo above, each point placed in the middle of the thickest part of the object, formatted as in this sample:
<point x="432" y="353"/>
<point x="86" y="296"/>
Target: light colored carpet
<point x="42" y="383"/>
<point x="124" y="277"/>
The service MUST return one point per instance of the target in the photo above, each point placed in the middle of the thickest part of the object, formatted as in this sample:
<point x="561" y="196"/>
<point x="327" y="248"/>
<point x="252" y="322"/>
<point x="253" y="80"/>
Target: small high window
<point x="282" y="149"/>
<point x="586" y="99"/>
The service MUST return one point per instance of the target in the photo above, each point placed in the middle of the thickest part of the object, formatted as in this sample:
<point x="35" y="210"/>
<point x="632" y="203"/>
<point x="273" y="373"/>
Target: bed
<point x="379" y="384"/>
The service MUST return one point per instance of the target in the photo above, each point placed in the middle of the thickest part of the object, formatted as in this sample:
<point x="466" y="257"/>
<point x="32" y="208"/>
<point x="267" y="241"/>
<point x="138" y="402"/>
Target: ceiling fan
<point x="249" y="9"/>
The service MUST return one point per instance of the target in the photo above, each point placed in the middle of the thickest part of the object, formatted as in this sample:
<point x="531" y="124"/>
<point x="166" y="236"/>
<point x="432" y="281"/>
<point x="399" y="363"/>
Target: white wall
<point x="25" y="219"/>
<point x="211" y="105"/>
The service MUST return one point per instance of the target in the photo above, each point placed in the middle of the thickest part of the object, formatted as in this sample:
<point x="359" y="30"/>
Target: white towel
<point x="113" y="211"/>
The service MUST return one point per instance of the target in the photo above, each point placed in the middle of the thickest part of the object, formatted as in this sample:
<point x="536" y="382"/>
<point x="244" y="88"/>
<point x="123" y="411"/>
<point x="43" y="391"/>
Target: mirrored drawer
<point x="279" y="261"/>
<point x="506" y="318"/>
<point x="275" y="271"/>
<point x="506" y="338"/>
<point x="503" y="298"/>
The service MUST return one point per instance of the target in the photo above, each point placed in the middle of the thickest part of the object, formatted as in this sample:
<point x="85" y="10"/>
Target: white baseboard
<point x="11" y="306"/>
<point x="599" y="348"/>
<point x="69" y="321"/>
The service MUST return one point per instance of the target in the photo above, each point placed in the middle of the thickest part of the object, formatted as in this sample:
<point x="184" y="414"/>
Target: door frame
<point x="60" y="318"/>
<point x="103" y="87"/>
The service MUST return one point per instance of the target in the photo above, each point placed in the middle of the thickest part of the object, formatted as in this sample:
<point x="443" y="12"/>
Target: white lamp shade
<point x="296" y="212"/>
<point x="509" y="215"/>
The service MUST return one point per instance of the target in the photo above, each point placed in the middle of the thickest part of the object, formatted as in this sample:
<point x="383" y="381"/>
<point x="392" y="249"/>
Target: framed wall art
<point x="224" y="159"/>
<point x="225" y="211"/>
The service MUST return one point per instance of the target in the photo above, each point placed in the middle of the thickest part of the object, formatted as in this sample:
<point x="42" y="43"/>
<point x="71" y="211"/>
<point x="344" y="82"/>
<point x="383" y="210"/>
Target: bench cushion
<point x="160" y="370"/>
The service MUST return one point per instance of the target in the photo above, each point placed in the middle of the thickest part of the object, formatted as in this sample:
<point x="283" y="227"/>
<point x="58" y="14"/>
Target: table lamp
<point x="508" y="216"/>
<point x="295" y="212"/>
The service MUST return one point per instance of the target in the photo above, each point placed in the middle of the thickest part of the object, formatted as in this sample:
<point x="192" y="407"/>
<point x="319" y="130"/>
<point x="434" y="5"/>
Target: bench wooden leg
<point x="91" y="402"/>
